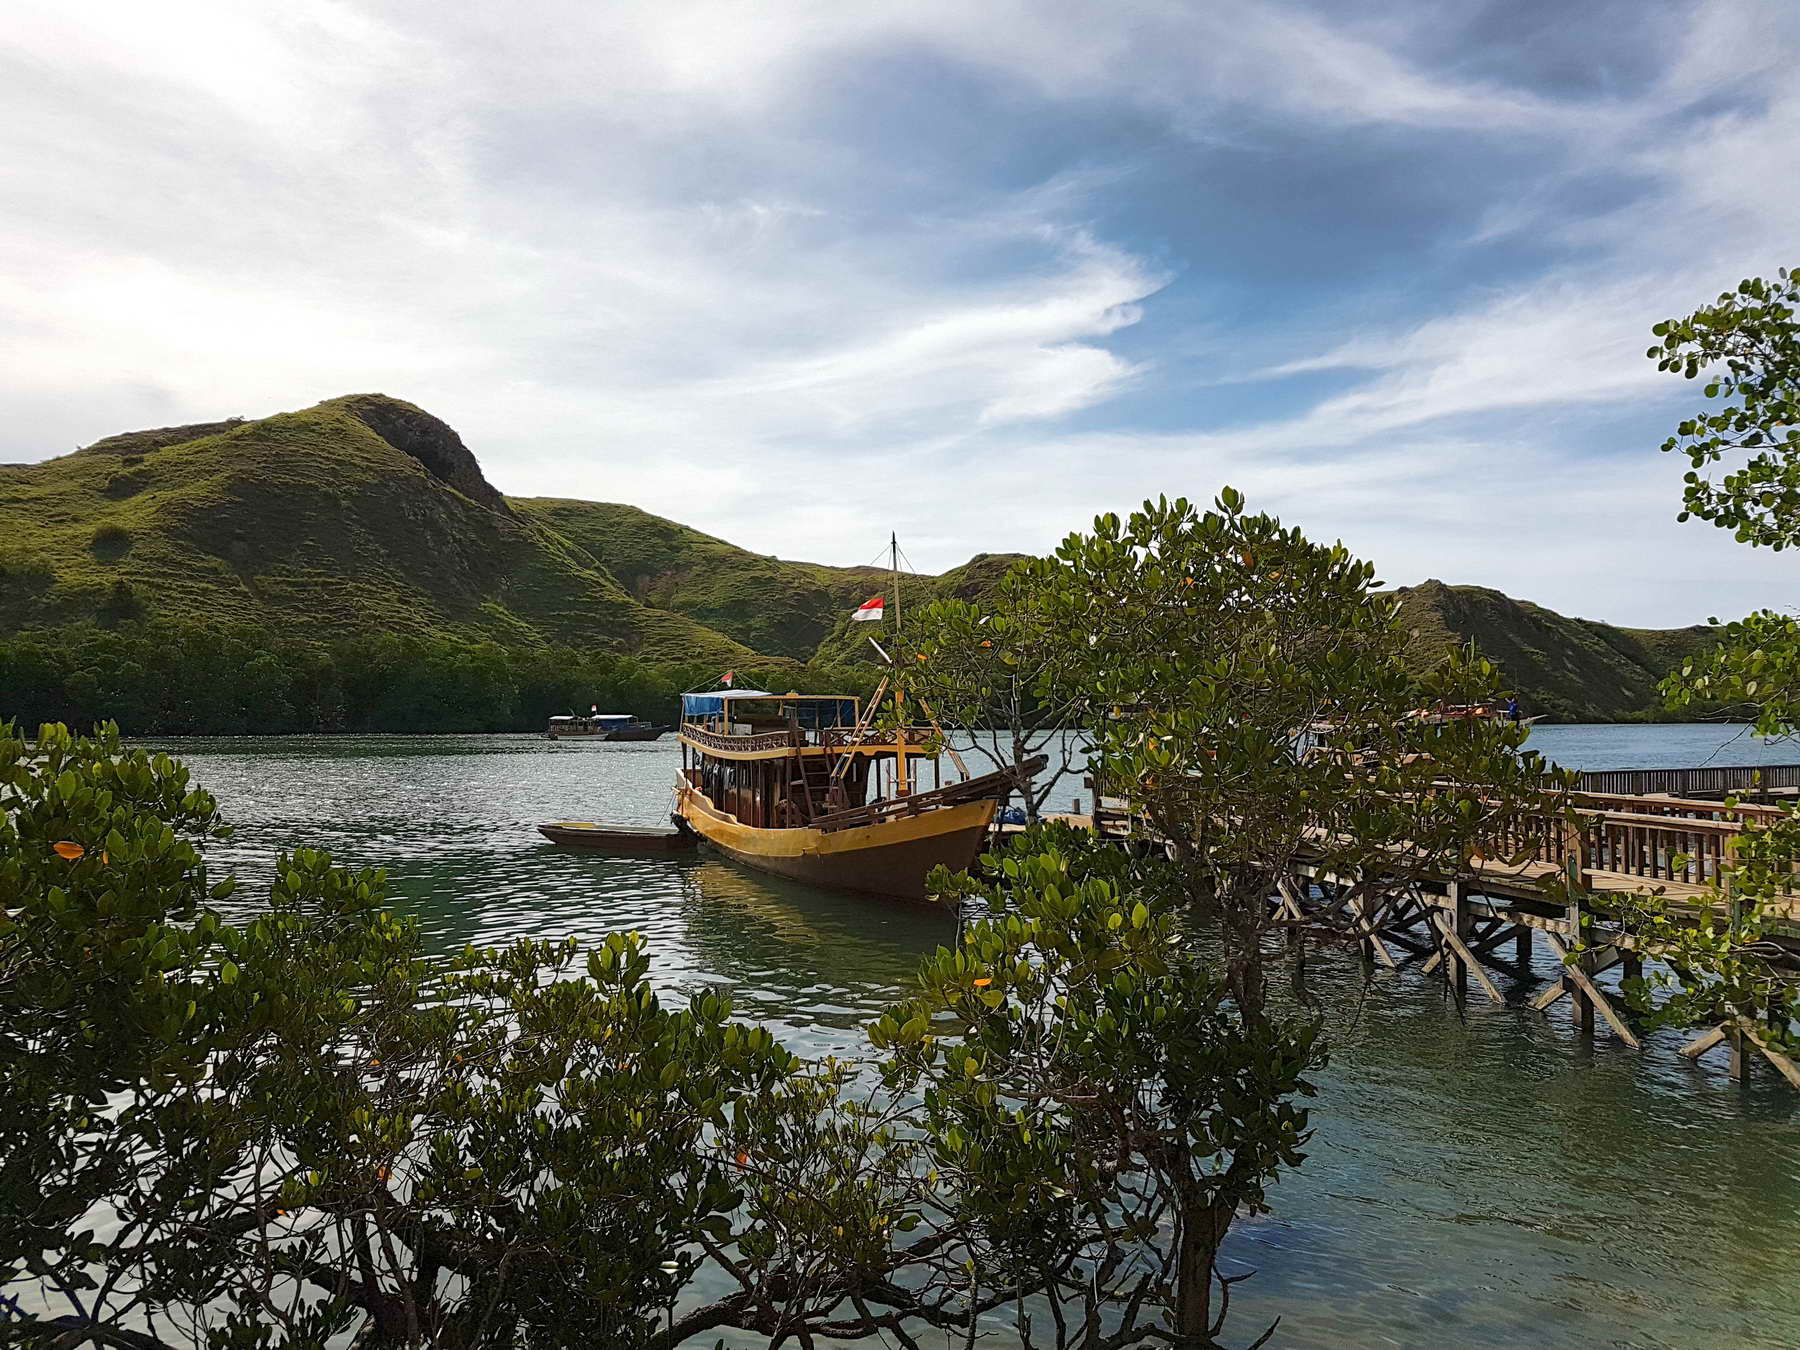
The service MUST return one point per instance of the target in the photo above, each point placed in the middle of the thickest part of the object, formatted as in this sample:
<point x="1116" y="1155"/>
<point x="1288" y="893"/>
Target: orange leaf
<point x="67" y="850"/>
<point x="983" y="982"/>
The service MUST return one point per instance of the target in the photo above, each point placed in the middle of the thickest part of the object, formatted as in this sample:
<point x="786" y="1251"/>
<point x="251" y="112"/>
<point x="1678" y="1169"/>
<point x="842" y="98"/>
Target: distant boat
<point x="1440" y="715"/>
<point x="604" y="727"/>
<point x="804" y="786"/>
<point x="1445" y="713"/>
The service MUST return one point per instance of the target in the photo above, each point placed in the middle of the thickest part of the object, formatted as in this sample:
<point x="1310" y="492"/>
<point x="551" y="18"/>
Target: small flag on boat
<point x="869" y="610"/>
<point x="727" y="677"/>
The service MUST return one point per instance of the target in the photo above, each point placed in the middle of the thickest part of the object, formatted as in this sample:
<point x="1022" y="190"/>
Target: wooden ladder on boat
<point x="813" y="777"/>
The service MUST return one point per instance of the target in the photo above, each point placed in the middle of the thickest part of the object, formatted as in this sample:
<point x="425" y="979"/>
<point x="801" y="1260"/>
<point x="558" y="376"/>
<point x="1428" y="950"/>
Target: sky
<point x="798" y="274"/>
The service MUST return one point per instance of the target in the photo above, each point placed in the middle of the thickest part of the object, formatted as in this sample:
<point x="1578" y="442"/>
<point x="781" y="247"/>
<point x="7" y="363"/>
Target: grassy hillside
<point x="769" y="604"/>
<point x="358" y="514"/>
<point x="1574" y="670"/>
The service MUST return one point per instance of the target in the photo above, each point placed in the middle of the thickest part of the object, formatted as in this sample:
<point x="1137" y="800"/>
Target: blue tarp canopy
<point x="812" y="712"/>
<point x="705" y="705"/>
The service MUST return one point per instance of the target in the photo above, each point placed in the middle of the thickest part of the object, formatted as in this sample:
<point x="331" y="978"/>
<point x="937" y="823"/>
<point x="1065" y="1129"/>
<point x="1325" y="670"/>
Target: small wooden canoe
<point x="650" y="839"/>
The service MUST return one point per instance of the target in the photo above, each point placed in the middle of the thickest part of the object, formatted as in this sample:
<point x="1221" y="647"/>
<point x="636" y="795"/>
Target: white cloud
<point x="525" y="219"/>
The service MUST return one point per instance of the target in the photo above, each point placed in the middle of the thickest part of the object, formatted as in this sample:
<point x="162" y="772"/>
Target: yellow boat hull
<point x="890" y="858"/>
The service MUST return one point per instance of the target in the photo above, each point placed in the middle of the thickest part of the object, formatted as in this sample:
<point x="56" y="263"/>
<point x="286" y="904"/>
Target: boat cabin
<point x="777" y="761"/>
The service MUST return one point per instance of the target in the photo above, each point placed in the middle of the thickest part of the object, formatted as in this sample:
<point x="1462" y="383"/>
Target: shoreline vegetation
<point x="169" y="679"/>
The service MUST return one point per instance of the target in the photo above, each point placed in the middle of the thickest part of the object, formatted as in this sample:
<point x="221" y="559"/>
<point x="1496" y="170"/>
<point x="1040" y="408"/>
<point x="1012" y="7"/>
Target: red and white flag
<point x="871" y="609"/>
<point x="725" y="679"/>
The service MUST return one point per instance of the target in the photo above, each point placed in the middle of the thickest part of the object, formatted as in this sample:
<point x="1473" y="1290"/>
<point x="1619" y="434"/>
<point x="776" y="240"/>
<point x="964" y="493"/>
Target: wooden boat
<point x="1434" y="717"/>
<point x="1446" y="713"/>
<point x="648" y="839"/>
<point x="803" y="786"/>
<point x="603" y="727"/>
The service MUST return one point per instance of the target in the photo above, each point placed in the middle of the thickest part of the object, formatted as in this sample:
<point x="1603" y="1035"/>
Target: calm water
<point x="1482" y="1179"/>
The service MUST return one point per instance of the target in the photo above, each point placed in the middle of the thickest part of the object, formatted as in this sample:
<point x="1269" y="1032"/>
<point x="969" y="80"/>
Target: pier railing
<point x="1685" y="843"/>
<point x="1742" y="813"/>
<point x="1616" y="841"/>
<point x="1657" y="848"/>
<point x="1712" y="780"/>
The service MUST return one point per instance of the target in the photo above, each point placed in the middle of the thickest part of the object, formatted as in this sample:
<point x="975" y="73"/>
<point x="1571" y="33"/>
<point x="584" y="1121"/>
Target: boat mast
<point x="901" y="785"/>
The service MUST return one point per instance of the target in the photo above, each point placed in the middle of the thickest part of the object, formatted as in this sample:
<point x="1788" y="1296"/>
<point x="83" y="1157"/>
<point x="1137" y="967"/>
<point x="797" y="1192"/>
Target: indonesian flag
<point x="871" y="609"/>
<point x="726" y="678"/>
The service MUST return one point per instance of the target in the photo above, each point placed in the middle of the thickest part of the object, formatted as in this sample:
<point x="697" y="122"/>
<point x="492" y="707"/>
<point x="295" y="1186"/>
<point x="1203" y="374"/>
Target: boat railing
<point x="831" y="738"/>
<point x="951" y="794"/>
<point x="846" y="737"/>
<point x="716" y="740"/>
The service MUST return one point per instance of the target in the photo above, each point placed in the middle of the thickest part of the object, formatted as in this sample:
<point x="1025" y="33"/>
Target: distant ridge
<point x="367" y="514"/>
<point x="1574" y="670"/>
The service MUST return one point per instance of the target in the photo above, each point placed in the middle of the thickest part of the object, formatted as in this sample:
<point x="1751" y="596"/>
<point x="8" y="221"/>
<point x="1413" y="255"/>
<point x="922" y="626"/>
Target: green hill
<point x="1574" y="670"/>
<point x="359" y="514"/>
<point x="771" y="605"/>
<point x="365" y="516"/>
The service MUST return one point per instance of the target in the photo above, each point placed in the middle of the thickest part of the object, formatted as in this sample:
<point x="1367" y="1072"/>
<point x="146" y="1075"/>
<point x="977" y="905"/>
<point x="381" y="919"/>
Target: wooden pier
<point x="1750" y="781"/>
<point x="1496" y="912"/>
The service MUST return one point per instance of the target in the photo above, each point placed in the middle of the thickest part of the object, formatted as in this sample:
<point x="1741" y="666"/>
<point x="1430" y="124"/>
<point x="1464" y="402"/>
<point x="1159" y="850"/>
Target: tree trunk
<point x="1198" y="1250"/>
<point x="1026" y="791"/>
<point x="1242" y="923"/>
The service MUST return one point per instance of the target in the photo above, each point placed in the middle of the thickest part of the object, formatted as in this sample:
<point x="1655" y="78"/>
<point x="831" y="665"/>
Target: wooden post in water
<point x="1365" y="943"/>
<point x="1458" y="921"/>
<point x="1734" y="1034"/>
<point x="1581" y="1007"/>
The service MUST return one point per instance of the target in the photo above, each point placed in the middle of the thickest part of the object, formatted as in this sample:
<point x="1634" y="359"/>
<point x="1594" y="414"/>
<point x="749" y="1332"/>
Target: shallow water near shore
<point x="1477" y="1178"/>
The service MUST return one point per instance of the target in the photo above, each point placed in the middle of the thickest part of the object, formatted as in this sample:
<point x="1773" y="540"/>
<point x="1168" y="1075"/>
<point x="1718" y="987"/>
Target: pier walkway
<point x="1493" y="913"/>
